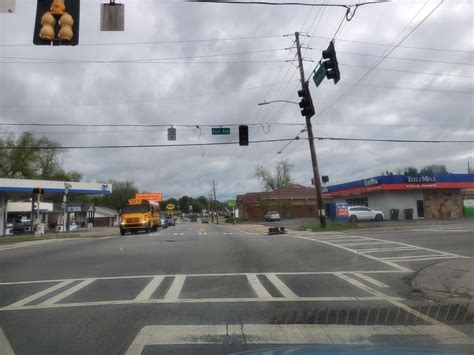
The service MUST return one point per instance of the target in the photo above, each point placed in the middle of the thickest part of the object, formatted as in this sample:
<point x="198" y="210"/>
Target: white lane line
<point x="423" y="248"/>
<point x="205" y="233"/>
<point x="175" y="233"/>
<point x="394" y="265"/>
<point x="150" y="288"/>
<point x="230" y="232"/>
<point x="395" y="258"/>
<point x="371" y="280"/>
<point x="362" y="243"/>
<point x="281" y="287"/>
<point x="181" y="233"/>
<point x="175" y="288"/>
<point x="40" y="294"/>
<point x="5" y="346"/>
<point x="223" y="274"/>
<point x="360" y="285"/>
<point x="257" y="286"/>
<point x="423" y="259"/>
<point x="68" y="292"/>
<point x="380" y="250"/>
<point x="285" y="334"/>
<point x="225" y="233"/>
<point x="31" y="243"/>
<point x="206" y="300"/>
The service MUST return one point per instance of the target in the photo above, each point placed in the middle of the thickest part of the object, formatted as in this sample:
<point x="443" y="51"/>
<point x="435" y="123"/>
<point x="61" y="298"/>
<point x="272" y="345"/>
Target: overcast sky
<point x="392" y="104"/>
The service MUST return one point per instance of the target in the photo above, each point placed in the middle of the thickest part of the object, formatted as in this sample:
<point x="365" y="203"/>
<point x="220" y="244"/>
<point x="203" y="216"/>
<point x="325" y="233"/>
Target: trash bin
<point x="394" y="214"/>
<point x="408" y="213"/>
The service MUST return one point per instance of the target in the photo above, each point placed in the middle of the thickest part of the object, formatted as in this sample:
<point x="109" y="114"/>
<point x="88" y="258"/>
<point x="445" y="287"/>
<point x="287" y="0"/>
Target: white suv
<point x="359" y="213"/>
<point x="272" y="216"/>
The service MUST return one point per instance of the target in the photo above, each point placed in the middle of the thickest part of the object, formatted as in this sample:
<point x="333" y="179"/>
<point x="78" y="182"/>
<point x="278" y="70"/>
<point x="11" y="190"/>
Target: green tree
<point x="279" y="180"/>
<point x="434" y="169"/>
<point x="21" y="158"/>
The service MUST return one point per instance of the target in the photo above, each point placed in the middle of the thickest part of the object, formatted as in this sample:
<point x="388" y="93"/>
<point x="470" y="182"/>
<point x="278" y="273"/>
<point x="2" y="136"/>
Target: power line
<point x="35" y="124"/>
<point x="187" y="41"/>
<point x="406" y="71"/>
<point x="385" y="55"/>
<point x="221" y="92"/>
<point x="56" y="60"/>
<point x="39" y="147"/>
<point x="154" y="62"/>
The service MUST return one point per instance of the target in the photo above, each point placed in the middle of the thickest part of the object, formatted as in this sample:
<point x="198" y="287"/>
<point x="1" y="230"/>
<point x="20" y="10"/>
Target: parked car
<point x="170" y="221"/>
<point x="271" y="216"/>
<point x="205" y="219"/>
<point x="361" y="213"/>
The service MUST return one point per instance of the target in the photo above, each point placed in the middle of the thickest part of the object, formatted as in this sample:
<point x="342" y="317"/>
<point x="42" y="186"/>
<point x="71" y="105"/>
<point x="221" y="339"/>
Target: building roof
<point x="23" y="188"/>
<point x="293" y="191"/>
<point x="401" y="182"/>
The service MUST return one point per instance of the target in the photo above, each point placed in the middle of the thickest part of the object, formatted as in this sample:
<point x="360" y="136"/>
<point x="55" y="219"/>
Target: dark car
<point x="205" y="219"/>
<point x="171" y="221"/>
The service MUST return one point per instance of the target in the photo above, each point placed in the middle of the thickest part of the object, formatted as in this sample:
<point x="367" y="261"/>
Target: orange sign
<point x="153" y="196"/>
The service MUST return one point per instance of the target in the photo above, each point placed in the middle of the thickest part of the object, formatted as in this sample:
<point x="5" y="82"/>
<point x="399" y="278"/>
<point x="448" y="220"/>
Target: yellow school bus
<point x="138" y="214"/>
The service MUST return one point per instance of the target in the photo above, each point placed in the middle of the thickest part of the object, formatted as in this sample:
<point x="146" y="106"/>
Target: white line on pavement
<point x="181" y="233"/>
<point x="394" y="265"/>
<point x="68" y="292"/>
<point x="370" y="279"/>
<point x="257" y="286"/>
<point x="206" y="300"/>
<point x="198" y="275"/>
<point x="176" y="287"/>
<point x="5" y="347"/>
<point x="150" y="288"/>
<point x="40" y="294"/>
<point x="395" y="258"/>
<point x="380" y="250"/>
<point x="423" y="259"/>
<point x="285" y="334"/>
<point x="280" y="285"/>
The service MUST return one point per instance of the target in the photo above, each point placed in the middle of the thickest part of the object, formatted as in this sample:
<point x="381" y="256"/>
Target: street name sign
<point x="220" y="130"/>
<point x="319" y="75"/>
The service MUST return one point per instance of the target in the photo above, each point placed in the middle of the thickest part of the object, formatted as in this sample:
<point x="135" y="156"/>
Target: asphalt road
<point x="213" y="288"/>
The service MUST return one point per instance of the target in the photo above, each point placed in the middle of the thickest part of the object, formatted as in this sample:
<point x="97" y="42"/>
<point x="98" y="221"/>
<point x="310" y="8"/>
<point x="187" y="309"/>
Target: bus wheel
<point x="122" y="231"/>
<point x="147" y="229"/>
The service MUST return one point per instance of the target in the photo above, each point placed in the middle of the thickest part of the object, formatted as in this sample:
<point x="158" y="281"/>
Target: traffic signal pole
<point x="317" y="181"/>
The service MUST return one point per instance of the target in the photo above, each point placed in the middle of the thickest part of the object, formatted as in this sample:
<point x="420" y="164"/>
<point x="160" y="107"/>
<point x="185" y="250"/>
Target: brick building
<point x="295" y="201"/>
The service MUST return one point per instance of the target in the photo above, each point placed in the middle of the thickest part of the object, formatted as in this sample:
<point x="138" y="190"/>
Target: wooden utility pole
<point x="321" y="213"/>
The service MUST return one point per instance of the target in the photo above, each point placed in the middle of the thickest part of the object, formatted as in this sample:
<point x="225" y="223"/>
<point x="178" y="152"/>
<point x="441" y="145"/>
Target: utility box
<point x="339" y="212"/>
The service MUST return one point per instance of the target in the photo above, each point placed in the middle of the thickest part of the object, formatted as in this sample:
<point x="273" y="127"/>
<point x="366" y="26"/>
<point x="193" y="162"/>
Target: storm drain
<point x="378" y="315"/>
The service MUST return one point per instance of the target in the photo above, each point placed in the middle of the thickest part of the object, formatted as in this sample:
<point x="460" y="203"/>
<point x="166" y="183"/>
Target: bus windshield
<point x="135" y="208"/>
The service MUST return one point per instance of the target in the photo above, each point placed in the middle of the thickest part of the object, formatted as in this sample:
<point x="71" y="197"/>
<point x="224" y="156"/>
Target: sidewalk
<point x="450" y="281"/>
<point x="95" y="233"/>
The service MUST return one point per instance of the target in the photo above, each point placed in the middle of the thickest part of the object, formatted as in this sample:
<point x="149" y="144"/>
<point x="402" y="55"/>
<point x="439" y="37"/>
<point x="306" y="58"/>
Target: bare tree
<point x="279" y="180"/>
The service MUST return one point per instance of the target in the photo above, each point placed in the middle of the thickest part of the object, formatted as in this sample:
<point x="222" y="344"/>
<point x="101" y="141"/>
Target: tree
<point x="409" y="170"/>
<point x="20" y="158"/>
<point x="434" y="169"/>
<point x="279" y="180"/>
<point x="121" y="192"/>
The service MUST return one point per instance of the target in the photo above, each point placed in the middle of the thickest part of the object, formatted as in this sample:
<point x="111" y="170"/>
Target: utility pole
<point x="317" y="181"/>
<point x="215" y="199"/>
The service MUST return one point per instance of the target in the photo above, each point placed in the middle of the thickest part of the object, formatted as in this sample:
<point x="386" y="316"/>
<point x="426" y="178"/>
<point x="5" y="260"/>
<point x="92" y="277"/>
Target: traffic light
<point x="243" y="135"/>
<point x="306" y="103"/>
<point x="331" y="65"/>
<point x="57" y="22"/>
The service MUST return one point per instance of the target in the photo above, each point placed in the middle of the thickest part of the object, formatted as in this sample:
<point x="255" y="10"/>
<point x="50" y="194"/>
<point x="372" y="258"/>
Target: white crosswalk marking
<point x="40" y="294"/>
<point x="371" y="280"/>
<point x="176" y="287"/>
<point x="257" y="286"/>
<point x="150" y="288"/>
<point x="68" y="292"/>
<point x="181" y="233"/>
<point x="280" y="285"/>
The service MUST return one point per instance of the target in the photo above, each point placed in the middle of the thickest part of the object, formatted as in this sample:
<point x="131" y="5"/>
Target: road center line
<point x="257" y="286"/>
<point x="68" y="292"/>
<point x="40" y="294"/>
<point x="150" y="288"/>
<point x="176" y="287"/>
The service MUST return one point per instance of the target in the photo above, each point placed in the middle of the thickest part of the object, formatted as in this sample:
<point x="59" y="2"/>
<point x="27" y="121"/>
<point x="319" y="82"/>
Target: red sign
<point x="158" y="196"/>
<point x="342" y="211"/>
